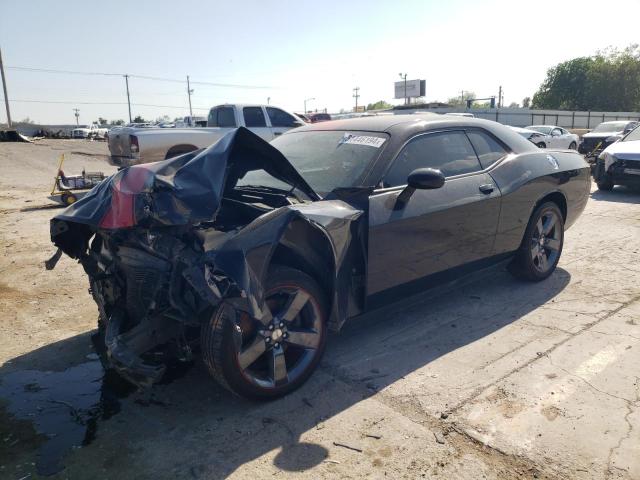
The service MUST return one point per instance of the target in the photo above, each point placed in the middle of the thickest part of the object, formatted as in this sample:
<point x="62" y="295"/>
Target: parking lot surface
<point x="489" y="378"/>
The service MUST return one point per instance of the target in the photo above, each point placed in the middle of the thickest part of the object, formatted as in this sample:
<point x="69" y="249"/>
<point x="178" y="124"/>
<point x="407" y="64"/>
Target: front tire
<point x="541" y="246"/>
<point x="267" y="359"/>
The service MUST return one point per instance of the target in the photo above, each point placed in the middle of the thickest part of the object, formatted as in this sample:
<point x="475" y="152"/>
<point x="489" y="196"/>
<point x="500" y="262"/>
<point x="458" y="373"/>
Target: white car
<point x="556" y="137"/>
<point x="533" y="136"/>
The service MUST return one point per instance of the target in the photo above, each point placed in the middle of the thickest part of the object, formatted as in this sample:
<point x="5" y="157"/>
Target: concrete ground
<point x="491" y="379"/>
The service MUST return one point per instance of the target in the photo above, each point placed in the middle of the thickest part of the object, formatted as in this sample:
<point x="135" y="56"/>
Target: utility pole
<point x="500" y="96"/>
<point x="4" y="88"/>
<point x="76" y="112"/>
<point x="404" y="77"/>
<point x="189" y="92"/>
<point x="126" y="80"/>
<point x="268" y="100"/>
<point x="356" y="95"/>
<point x="462" y="96"/>
<point x="305" y="104"/>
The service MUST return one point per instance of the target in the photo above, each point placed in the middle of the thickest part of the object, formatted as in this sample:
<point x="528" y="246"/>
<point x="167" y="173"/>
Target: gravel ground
<point x="492" y="379"/>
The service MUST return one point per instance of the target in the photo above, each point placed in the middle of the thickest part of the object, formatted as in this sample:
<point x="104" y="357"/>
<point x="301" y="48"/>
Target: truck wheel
<point x="270" y="358"/>
<point x="541" y="246"/>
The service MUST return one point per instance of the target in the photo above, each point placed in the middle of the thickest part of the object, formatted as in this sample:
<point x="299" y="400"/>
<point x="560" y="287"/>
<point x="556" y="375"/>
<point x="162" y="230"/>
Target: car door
<point x="281" y="121"/>
<point x="437" y="230"/>
<point x="556" y="139"/>
<point x="256" y="121"/>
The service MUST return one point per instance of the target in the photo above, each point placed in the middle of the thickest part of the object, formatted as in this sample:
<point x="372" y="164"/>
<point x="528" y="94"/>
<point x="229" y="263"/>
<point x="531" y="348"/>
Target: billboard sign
<point x="415" y="88"/>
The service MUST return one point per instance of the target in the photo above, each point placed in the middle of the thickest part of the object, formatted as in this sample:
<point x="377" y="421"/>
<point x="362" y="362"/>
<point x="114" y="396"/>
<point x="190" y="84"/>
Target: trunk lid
<point x="184" y="190"/>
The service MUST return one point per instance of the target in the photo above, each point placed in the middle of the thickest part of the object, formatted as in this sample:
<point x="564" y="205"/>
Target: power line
<point x="67" y="102"/>
<point x="142" y="77"/>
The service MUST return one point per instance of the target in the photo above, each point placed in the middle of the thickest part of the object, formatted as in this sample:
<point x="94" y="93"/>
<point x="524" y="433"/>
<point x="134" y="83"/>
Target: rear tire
<point x="267" y="360"/>
<point x="541" y="246"/>
<point x="541" y="145"/>
<point x="573" y="146"/>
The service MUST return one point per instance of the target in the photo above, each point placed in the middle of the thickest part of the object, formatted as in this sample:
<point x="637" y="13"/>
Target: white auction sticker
<point x="368" y="140"/>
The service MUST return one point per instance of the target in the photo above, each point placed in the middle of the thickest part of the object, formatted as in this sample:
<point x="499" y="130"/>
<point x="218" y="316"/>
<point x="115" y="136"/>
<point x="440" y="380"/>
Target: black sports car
<point x="253" y="251"/>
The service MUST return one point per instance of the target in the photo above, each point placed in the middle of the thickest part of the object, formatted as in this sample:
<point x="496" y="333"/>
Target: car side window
<point x="489" y="150"/>
<point x="222" y="117"/>
<point x="280" y="119"/>
<point x="254" y="117"/>
<point x="556" y="132"/>
<point x="449" y="152"/>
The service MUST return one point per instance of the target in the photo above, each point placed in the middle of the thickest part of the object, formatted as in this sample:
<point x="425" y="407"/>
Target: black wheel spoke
<point x="549" y="224"/>
<point x="277" y="366"/>
<point x="307" y="339"/>
<point x="552" y="244"/>
<point x="542" y="261"/>
<point x="297" y="301"/>
<point x="251" y="353"/>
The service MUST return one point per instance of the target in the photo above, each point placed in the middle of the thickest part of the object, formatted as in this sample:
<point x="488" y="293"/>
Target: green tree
<point x="139" y="119"/>
<point x="379" y="105"/>
<point x="608" y="81"/>
<point x="460" y="101"/>
<point x="526" y="102"/>
<point x="117" y="122"/>
<point x="102" y="121"/>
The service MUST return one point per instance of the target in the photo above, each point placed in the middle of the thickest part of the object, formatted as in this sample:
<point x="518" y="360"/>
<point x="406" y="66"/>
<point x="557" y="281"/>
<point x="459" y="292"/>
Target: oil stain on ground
<point x="63" y="409"/>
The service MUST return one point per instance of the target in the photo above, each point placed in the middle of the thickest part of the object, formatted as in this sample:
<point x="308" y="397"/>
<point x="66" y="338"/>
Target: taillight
<point x="126" y="186"/>
<point x="135" y="148"/>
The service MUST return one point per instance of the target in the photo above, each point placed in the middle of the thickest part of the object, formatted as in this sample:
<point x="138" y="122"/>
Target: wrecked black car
<point x="252" y="252"/>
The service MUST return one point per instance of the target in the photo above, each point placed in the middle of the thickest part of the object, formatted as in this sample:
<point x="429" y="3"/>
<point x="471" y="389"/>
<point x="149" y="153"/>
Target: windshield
<point x="632" y="135"/>
<point x="545" y="130"/>
<point x="325" y="159"/>
<point x="610" y="127"/>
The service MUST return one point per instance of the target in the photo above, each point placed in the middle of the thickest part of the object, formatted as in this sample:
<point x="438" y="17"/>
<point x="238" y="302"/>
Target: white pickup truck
<point x="130" y="146"/>
<point x="88" y="131"/>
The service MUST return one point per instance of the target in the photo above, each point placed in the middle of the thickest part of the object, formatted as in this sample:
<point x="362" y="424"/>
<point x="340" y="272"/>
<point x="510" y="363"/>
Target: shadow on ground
<point x="619" y="194"/>
<point x="191" y="428"/>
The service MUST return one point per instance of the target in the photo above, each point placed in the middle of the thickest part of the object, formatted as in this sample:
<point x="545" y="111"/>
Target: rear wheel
<point x="541" y="246"/>
<point x="541" y="145"/>
<point x="270" y="357"/>
<point x="573" y="146"/>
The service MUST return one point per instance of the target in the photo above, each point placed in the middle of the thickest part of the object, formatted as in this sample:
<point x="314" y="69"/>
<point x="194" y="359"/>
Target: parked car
<point x="89" y="131"/>
<point x="604" y="135"/>
<point x="132" y="146"/>
<point x="461" y="114"/>
<point x="619" y="163"/>
<point x="318" y="117"/>
<point x="257" y="250"/>
<point x="556" y="137"/>
<point x="535" y="137"/>
<point x="188" y="121"/>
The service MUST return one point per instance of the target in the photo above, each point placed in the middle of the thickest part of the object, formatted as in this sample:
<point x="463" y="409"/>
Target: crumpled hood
<point x="627" y="150"/>
<point x="185" y="190"/>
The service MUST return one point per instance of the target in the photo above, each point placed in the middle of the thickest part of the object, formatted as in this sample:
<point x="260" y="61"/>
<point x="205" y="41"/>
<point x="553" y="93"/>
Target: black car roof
<point x="383" y="123"/>
<point x="403" y="126"/>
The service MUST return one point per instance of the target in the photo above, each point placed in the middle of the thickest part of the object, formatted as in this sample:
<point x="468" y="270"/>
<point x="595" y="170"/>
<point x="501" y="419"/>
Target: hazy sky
<point x="298" y="49"/>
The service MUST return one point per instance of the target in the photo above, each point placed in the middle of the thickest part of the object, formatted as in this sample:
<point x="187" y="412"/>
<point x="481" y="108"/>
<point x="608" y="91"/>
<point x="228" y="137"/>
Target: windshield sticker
<point x="351" y="139"/>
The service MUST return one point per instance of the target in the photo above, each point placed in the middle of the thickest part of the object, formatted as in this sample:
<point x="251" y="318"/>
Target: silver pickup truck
<point x="130" y="146"/>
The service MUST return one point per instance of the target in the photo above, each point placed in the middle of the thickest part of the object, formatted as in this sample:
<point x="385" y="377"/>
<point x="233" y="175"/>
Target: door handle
<point x="487" y="188"/>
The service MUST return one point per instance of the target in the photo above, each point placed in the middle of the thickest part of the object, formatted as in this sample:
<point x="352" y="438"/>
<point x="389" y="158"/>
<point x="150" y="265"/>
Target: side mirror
<point x="419" y="179"/>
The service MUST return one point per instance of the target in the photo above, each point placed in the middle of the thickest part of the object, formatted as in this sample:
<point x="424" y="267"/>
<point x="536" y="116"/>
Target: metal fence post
<point x="589" y="119"/>
<point x="573" y="119"/>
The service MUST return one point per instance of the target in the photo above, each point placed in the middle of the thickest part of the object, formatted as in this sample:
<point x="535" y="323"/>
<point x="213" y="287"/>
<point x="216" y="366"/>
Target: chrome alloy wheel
<point x="278" y="348"/>
<point x="546" y="242"/>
